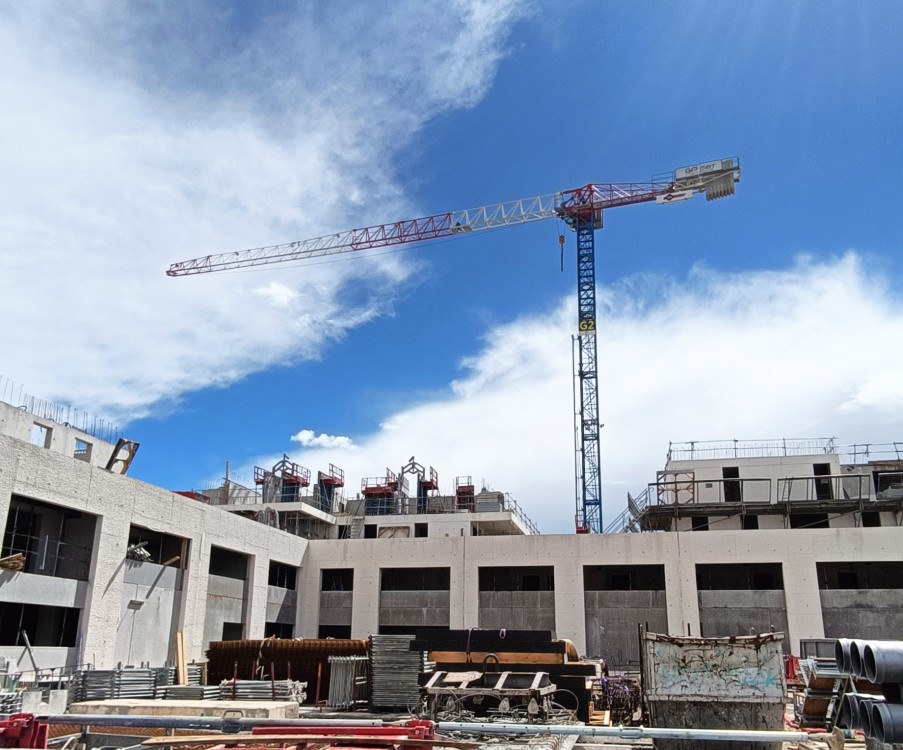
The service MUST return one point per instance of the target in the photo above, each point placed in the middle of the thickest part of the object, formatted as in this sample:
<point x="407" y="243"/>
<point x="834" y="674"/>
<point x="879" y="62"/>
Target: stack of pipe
<point x="881" y="663"/>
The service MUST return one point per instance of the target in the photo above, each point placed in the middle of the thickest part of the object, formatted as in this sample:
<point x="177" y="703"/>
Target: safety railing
<point x="720" y="449"/>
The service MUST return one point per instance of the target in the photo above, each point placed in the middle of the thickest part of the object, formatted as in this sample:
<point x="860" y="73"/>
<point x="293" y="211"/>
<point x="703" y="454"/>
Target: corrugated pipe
<point x="887" y="722"/>
<point x="631" y="733"/>
<point x="883" y="661"/>
<point x="842" y="655"/>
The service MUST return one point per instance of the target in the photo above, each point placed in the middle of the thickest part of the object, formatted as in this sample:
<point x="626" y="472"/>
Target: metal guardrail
<point x="848" y="453"/>
<point x="715" y="449"/>
<point x="762" y="490"/>
<point x="511" y="504"/>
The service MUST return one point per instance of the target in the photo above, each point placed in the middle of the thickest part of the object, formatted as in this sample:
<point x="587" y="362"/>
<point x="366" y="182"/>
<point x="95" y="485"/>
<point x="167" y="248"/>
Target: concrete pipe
<point x="887" y="722"/>
<point x="849" y="711"/>
<point x="882" y="661"/>
<point x="842" y="655"/>
<point x="893" y="692"/>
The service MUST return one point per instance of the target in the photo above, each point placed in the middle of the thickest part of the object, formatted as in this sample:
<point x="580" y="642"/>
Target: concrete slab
<point x="148" y="707"/>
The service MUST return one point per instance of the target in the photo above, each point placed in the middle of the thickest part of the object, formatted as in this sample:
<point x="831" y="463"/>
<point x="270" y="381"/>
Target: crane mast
<point x="581" y="210"/>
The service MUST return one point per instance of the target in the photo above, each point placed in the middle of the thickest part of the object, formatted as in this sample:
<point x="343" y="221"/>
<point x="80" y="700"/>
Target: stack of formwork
<point x="880" y="663"/>
<point x="263" y="690"/>
<point x="103" y="684"/>
<point x="280" y="659"/>
<point x="395" y="669"/>
<point x="349" y="681"/>
<point x="513" y="651"/>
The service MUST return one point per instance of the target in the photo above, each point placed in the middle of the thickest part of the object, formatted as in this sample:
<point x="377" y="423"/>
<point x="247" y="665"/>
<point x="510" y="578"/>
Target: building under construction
<point x="801" y="537"/>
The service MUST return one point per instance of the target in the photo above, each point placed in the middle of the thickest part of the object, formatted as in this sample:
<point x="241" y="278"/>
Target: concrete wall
<point x="733" y="612"/>
<point x="797" y="551"/>
<point x="611" y="623"/>
<point x="517" y="610"/>
<point x="336" y="607"/>
<point x="872" y="613"/>
<point x="418" y="609"/>
<point x="709" y="477"/>
<point x="226" y="603"/>
<point x="282" y="605"/>
<point x="119" y="501"/>
<point x="61" y="439"/>
<point x="149" y="614"/>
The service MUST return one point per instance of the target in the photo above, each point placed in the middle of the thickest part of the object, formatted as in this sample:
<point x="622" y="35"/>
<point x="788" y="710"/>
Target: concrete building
<point x="730" y="539"/>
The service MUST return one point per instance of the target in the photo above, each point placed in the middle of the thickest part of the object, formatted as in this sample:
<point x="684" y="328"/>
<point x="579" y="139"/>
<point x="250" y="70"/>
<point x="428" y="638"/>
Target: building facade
<point x="99" y="568"/>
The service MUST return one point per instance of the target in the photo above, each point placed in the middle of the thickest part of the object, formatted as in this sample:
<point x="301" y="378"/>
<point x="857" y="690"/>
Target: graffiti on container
<point x="715" y="669"/>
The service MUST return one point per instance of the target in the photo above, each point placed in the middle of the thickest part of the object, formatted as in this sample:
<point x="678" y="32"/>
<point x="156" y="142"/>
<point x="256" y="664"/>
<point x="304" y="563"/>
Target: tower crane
<point x="581" y="211"/>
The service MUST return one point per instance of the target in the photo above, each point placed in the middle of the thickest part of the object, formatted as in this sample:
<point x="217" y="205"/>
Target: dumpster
<point x="714" y="683"/>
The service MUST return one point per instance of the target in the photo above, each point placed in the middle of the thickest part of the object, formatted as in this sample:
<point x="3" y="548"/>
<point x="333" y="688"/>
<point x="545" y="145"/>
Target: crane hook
<point x="561" y="245"/>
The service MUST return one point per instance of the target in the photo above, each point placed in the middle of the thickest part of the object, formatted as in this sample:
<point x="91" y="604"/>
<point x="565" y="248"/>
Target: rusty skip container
<point x="714" y="683"/>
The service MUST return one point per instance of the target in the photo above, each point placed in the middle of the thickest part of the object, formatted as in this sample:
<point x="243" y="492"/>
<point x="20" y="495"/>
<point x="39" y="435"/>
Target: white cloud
<point x="310" y="439"/>
<point x="809" y="351"/>
<point x="144" y="134"/>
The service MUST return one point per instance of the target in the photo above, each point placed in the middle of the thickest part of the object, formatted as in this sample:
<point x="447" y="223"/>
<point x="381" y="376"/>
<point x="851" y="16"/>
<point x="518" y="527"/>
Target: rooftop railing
<point x="853" y="453"/>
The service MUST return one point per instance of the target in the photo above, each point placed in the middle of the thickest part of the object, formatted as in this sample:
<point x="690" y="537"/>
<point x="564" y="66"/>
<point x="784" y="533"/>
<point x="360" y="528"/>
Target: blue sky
<point x="140" y="134"/>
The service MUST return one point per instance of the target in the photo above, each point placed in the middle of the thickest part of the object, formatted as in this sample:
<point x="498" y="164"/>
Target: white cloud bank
<point x="311" y="439"/>
<point x="810" y="351"/>
<point x="140" y="134"/>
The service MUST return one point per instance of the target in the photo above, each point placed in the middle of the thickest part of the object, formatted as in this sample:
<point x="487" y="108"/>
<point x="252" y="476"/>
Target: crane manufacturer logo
<point x="675" y="197"/>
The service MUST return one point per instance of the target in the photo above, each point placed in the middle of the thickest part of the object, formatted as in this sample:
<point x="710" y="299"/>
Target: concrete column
<point x="103" y="607"/>
<point x="570" y="615"/>
<point x="802" y="599"/>
<point x="256" y="596"/>
<point x="680" y="591"/>
<point x="8" y="468"/>
<point x="462" y="582"/>
<point x="194" y="597"/>
<point x="365" y="609"/>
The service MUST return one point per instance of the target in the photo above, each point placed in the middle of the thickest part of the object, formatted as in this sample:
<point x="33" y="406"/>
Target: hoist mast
<point x="581" y="210"/>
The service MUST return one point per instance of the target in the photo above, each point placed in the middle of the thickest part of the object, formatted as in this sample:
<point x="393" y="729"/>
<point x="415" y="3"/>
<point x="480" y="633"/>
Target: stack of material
<point x="128" y="682"/>
<point x="262" y="690"/>
<point x="166" y="676"/>
<point x="280" y="659"/>
<point x="348" y="684"/>
<point x="880" y="664"/>
<point x="10" y="702"/>
<point x="514" y="651"/>
<point x="188" y="692"/>
<point x="395" y="669"/>
<point x="823" y="688"/>
<point x="103" y="684"/>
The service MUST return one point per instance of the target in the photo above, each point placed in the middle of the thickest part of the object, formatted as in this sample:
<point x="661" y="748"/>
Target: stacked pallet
<point x="304" y="660"/>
